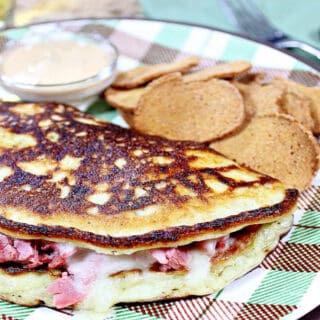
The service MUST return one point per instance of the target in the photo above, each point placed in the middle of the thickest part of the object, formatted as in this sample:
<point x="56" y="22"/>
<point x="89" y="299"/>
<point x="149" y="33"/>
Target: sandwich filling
<point x="82" y="267"/>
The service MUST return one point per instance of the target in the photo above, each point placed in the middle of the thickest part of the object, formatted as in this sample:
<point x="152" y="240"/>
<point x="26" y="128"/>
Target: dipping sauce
<point x="58" y="69"/>
<point x="53" y="62"/>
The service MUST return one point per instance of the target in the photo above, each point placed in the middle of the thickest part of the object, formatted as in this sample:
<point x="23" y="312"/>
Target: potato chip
<point x="251" y="78"/>
<point x="199" y="111"/>
<point x="275" y="97"/>
<point x="276" y="145"/>
<point x="313" y="93"/>
<point x="141" y="75"/>
<point x="128" y="99"/>
<point x="221" y="71"/>
<point x="124" y="99"/>
<point x="242" y="87"/>
<point x="262" y="99"/>
<point x="298" y="106"/>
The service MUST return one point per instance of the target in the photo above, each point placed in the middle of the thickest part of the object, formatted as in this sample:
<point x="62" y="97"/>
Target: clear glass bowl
<point x="77" y="86"/>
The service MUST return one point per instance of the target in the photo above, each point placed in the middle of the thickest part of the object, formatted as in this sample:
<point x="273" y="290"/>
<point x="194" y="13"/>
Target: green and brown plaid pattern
<point x="287" y="277"/>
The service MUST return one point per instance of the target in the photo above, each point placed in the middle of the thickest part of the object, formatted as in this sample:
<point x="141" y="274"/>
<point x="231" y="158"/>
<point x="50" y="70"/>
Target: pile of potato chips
<point x="267" y="126"/>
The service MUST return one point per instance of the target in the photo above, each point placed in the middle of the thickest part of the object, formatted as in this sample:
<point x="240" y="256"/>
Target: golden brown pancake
<point x="66" y="176"/>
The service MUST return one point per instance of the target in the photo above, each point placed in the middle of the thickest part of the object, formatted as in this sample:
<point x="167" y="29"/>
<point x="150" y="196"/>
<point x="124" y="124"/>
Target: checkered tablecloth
<point x="286" y="285"/>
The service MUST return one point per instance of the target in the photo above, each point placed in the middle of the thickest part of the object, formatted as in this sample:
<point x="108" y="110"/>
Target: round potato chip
<point x="141" y="75"/>
<point x="262" y="99"/>
<point x="276" y="145"/>
<point x="126" y="100"/>
<point x="312" y="93"/>
<point x="298" y="105"/>
<point x="199" y="111"/>
<point x="220" y="71"/>
<point x="251" y="78"/>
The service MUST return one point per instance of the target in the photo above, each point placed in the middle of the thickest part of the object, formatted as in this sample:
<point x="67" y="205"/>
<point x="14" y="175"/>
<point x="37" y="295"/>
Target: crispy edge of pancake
<point x="170" y="237"/>
<point x="28" y="288"/>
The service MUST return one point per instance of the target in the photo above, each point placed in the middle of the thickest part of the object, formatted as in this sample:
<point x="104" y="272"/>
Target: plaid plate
<point x="286" y="284"/>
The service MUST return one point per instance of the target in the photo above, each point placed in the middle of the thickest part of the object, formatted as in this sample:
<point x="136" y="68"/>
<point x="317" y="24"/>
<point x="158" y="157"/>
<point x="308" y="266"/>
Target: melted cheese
<point x="92" y="272"/>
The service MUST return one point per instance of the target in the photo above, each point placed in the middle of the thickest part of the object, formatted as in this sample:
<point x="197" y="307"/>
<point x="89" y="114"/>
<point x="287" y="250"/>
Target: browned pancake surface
<point x="65" y="175"/>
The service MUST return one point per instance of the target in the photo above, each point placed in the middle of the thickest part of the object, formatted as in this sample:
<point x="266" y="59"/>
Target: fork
<point x="249" y="19"/>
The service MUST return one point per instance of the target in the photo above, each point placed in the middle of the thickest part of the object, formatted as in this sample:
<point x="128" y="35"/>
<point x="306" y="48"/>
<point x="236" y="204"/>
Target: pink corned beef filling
<point x="64" y="292"/>
<point x="171" y="259"/>
<point x="31" y="253"/>
<point x="74" y="285"/>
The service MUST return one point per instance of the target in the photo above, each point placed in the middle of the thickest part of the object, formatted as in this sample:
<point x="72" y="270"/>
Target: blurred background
<point x="299" y="19"/>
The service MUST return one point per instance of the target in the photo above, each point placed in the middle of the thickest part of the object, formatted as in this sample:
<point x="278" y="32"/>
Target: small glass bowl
<point x="74" y="90"/>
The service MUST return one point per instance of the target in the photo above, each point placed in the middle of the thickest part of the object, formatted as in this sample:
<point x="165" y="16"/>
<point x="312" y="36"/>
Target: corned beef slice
<point x="31" y="253"/>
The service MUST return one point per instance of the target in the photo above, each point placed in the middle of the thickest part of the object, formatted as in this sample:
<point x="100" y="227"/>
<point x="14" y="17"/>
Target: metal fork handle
<point x="295" y="44"/>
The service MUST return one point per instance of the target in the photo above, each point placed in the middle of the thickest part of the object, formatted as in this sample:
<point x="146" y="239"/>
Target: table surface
<point x="299" y="19"/>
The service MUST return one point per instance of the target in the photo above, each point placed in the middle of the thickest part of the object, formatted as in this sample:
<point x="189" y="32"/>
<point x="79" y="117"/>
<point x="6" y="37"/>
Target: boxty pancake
<point x="68" y="176"/>
<point x="80" y="194"/>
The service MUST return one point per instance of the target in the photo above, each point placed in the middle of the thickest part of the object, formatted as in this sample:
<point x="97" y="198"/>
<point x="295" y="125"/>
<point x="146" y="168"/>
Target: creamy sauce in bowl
<point x="54" y="62"/>
<point x="58" y="69"/>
